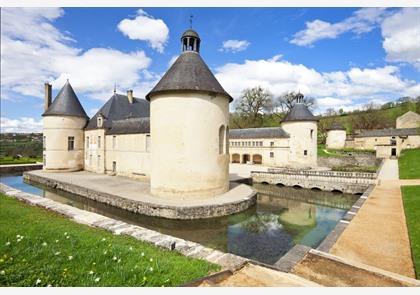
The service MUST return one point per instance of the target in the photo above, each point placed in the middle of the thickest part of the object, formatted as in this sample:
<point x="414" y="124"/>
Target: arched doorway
<point x="236" y="158"/>
<point x="246" y="158"/>
<point x="257" y="159"/>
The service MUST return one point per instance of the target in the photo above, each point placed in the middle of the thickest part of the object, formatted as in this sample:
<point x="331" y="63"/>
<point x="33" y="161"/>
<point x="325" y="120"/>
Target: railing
<point x="364" y="175"/>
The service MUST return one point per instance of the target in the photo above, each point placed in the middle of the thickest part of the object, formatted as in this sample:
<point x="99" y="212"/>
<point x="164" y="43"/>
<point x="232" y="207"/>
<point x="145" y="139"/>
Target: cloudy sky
<point x="344" y="57"/>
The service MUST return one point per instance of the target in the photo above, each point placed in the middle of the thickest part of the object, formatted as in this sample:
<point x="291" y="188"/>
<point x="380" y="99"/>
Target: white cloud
<point x="21" y="125"/>
<point x="146" y="28"/>
<point x="332" y="89"/>
<point x="30" y="57"/>
<point x="362" y="21"/>
<point x="401" y="33"/>
<point x="234" y="45"/>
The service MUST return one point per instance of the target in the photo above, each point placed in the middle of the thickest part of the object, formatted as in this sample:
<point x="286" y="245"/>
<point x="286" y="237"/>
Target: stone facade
<point x="336" y="139"/>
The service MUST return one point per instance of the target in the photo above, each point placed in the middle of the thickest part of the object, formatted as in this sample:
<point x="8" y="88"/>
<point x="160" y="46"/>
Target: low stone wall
<point x="358" y="160"/>
<point x="187" y="248"/>
<point x="4" y="169"/>
<point x="150" y="209"/>
<point x="346" y="182"/>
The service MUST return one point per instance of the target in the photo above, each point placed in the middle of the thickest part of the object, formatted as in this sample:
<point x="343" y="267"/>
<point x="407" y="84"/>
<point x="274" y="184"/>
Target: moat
<point x="282" y="218"/>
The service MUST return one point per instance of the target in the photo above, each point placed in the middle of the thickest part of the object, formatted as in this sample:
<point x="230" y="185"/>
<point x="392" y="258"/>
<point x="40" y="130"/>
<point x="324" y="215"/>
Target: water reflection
<point x="282" y="218"/>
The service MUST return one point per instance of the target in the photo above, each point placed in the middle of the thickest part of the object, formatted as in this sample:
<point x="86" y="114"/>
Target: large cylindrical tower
<point x="189" y="116"/>
<point x="63" y="125"/>
<point x="302" y="127"/>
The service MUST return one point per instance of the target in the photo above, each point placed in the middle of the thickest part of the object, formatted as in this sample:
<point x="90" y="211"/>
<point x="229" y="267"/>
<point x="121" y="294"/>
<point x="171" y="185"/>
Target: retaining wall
<point x="19" y="168"/>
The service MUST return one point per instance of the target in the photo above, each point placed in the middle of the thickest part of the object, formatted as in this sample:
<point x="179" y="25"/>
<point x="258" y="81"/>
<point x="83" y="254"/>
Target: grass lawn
<point x="411" y="199"/>
<point x="41" y="248"/>
<point x="23" y="160"/>
<point x="322" y="153"/>
<point x="409" y="164"/>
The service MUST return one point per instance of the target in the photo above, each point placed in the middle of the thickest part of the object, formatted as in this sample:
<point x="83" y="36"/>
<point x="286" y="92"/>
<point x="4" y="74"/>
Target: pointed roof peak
<point x="66" y="103"/>
<point x="299" y="112"/>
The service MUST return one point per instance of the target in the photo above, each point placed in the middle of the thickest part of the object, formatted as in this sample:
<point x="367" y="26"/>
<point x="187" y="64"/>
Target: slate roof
<point x="270" y="132"/>
<point x="190" y="33"/>
<point x="299" y="112"/>
<point x="130" y="126"/>
<point x="119" y="108"/>
<point x="188" y="72"/>
<point x="336" y="126"/>
<point x="66" y="103"/>
<point x="388" y="132"/>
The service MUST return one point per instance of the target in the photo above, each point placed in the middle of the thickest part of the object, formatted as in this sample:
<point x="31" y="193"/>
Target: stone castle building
<point x="386" y="142"/>
<point x="178" y="136"/>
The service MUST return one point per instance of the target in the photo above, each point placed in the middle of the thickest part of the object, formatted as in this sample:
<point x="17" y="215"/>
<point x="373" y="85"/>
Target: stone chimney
<point x="47" y="97"/>
<point x="130" y="96"/>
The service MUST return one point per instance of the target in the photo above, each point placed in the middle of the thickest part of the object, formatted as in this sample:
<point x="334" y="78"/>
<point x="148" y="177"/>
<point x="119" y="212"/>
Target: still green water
<point x="282" y="218"/>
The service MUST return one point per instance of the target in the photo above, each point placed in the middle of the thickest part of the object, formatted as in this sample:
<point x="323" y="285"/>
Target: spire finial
<point x="191" y="20"/>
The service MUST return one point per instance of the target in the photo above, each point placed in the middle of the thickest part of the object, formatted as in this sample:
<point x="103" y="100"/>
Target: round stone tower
<point x="63" y="125"/>
<point x="336" y="136"/>
<point x="189" y="115"/>
<point x="302" y="126"/>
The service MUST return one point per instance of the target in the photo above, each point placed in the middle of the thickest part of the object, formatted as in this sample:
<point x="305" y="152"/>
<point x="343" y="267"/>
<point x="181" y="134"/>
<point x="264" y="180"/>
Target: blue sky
<point x="344" y="57"/>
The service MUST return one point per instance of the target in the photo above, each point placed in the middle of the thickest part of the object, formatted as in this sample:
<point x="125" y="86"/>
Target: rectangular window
<point x="87" y="142"/>
<point x="45" y="160"/>
<point x="114" y="166"/>
<point x="99" y="161"/>
<point x="312" y="133"/>
<point x="261" y="143"/>
<point x="44" y="143"/>
<point x="271" y="155"/>
<point x="272" y="143"/>
<point x="70" y="143"/>
<point x="99" y="142"/>
<point x="148" y="143"/>
<point x="90" y="160"/>
<point x="114" y="142"/>
<point x="305" y="152"/>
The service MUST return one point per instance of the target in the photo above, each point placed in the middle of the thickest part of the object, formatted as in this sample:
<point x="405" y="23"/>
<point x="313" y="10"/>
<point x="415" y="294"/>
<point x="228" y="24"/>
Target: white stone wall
<point x="303" y="137"/>
<point x="129" y="153"/>
<point x="336" y="139"/>
<point x="95" y="150"/>
<point x="273" y="151"/>
<point x="185" y="145"/>
<point x="56" y="130"/>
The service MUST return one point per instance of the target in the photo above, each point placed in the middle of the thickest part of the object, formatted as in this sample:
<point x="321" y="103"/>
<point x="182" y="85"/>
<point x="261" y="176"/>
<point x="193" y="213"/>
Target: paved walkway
<point x="378" y="236"/>
<point x="136" y="190"/>
<point x="258" y="276"/>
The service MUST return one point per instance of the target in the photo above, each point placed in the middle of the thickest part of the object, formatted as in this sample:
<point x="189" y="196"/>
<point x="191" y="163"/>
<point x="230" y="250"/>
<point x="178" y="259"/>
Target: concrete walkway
<point x="378" y="236"/>
<point x="258" y="276"/>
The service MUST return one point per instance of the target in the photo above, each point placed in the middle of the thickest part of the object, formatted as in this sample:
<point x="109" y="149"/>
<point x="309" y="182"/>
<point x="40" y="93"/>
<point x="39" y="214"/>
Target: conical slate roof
<point x="189" y="72"/>
<point x="119" y="108"/>
<point x="66" y="103"/>
<point x="190" y="33"/>
<point x="336" y="126"/>
<point x="299" y="112"/>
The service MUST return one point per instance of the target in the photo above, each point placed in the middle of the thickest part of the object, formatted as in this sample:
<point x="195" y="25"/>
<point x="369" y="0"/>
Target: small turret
<point x="302" y="127"/>
<point x="336" y="136"/>
<point x="63" y="125"/>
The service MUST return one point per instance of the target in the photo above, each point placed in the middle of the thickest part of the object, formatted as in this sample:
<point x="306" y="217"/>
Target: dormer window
<point x="99" y="121"/>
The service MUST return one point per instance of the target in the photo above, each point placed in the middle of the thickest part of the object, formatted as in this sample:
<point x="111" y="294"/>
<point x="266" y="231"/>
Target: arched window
<point x="221" y="139"/>
<point x="227" y="140"/>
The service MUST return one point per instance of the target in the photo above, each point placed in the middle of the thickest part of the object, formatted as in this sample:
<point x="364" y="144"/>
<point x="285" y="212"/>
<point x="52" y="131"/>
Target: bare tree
<point x="286" y="102"/>
<point x="251" y="106"/>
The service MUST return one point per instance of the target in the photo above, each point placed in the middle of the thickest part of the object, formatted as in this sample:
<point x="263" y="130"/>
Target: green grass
<point x="37" y="245"/>
<point x="411" y="199"/>
<point x="23" y="160"/>
<point x="353" y="168"/>
<point x="322" y="153"/>
<point x="409" y="164"/>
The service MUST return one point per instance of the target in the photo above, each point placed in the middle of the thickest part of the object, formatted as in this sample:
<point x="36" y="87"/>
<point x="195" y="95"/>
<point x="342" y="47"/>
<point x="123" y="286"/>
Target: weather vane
<point x="191" y="20"/>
